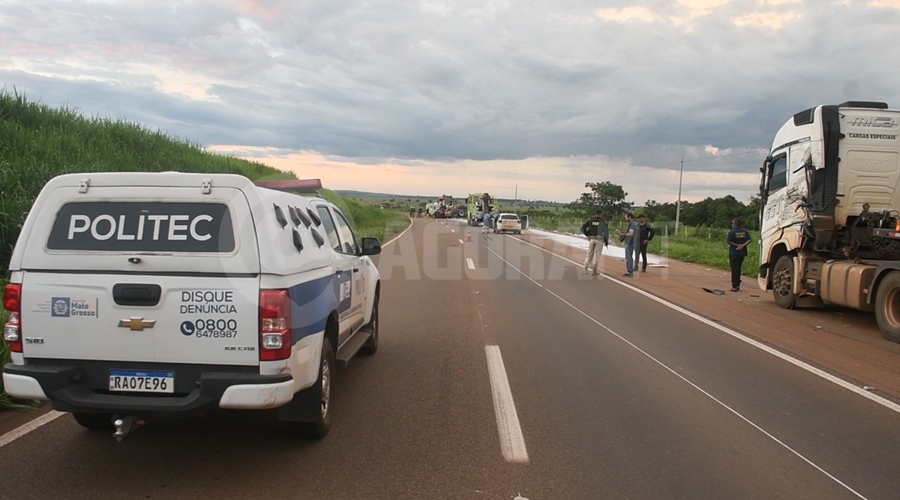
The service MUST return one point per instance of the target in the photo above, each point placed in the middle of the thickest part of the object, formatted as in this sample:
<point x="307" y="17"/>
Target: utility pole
<point x="517" y="195"/>
<point x="678" y="206"/>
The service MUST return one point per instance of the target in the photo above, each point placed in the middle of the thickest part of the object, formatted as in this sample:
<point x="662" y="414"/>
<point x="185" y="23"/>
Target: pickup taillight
<point x="12" y="329"/>
<point x="274" y="325"/>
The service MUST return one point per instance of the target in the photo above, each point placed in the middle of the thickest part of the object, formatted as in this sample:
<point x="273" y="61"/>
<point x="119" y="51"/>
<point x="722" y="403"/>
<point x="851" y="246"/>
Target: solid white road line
<point x="469" y="262"/>
<point x="20" y="431"/>
<point x="395" y="238"/>
<point x="512" y="443"/>
<point x="695" y="386"/>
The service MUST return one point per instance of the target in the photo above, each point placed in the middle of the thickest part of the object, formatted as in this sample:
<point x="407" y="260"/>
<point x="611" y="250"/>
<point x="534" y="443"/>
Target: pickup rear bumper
<point x="83" y="386"/>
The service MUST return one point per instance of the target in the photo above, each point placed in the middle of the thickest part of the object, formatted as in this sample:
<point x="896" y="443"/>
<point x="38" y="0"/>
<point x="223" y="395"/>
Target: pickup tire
<point x="371" y="345"/>
<point x="94" y="421"/>
<point x="783" y="282"/>
<point x="322" y="392"/>
<point x="887" y="306"/>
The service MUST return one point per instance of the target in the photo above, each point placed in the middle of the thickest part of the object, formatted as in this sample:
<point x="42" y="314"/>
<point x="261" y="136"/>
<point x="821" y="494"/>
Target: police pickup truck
<point x="136" y="295"/>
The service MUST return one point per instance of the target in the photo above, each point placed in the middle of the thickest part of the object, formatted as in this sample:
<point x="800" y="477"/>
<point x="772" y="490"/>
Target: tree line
<point x="711" y="212"/>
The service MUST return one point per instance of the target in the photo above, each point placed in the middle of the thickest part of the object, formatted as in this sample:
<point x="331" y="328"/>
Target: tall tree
<point x="604" y="195"/>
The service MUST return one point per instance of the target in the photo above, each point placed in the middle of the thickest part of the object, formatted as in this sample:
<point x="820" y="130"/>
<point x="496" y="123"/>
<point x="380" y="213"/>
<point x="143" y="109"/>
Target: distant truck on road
<point x="476" y="206"/>
<point x="830" y="211"/>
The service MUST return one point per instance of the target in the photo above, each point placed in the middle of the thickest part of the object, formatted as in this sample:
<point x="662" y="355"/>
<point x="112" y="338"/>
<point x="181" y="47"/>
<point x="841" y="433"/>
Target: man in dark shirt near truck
<point x="738" y="239"/>
<point x="646" y="234"/>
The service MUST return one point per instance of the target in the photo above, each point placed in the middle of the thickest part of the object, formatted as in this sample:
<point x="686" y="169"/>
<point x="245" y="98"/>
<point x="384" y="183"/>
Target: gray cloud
<point x="454" y="79"/>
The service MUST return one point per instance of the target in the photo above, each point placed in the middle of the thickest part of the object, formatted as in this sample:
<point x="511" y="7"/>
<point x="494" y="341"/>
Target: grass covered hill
<point x="38" y="143"/>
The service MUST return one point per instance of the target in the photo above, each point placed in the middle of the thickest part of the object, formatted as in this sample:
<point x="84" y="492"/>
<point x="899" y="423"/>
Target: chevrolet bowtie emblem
<point x="136" y="324"/>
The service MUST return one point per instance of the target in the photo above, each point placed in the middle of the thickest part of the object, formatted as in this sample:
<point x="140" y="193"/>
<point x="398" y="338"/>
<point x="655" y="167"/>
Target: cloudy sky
<point x="458" y="96"/>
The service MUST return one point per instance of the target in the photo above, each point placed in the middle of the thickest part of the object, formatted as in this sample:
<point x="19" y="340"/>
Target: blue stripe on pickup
<point x="311" y="303"/>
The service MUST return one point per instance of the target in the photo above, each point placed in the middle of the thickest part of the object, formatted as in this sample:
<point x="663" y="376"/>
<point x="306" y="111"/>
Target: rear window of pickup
<point x="143" y="227"/>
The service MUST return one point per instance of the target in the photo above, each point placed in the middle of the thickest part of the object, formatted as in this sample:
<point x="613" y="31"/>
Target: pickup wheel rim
<point x="892" y="307"/>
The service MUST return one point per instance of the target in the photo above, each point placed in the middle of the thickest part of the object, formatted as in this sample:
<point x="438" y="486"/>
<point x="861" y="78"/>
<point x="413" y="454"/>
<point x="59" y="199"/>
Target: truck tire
<point x="783" y="282"/>
<point x="887" y="306"/>
<point x="94" y="421"/>
<point x="322" y="392"/>
<point x="371" y="345"/>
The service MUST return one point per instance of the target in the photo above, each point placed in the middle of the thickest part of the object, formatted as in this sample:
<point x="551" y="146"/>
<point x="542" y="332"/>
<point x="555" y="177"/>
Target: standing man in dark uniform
<point x="646" y="234"/>
<point x="597" y="232"/>
<point x="738" y="239"/>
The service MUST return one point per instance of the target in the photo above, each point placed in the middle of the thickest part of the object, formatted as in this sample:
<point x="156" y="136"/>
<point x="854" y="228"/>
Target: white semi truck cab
<point x="830" y="216"/>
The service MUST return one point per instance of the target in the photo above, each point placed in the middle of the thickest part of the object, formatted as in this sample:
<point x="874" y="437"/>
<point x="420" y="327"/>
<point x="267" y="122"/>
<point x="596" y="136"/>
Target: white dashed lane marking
<point x="512" y="442"/>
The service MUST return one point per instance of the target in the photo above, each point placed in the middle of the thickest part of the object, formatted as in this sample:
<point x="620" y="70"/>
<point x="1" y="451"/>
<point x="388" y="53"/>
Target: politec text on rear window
<point x="143" y="227"/>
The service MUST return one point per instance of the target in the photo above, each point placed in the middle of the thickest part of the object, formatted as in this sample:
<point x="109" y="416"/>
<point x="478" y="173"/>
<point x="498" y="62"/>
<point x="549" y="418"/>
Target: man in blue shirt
<point x="630" y="238"/>
<point x="738" y="239"/>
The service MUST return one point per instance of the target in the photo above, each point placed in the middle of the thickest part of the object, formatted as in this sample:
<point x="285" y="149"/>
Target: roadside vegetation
<point x="38" y="142"/>
<point x="369" y="220"/>
<point x="697" y="244"/>
<point x="702" y="229"/>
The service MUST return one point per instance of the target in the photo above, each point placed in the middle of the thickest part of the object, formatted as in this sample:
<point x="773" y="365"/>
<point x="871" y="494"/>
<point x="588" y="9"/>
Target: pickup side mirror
<point x="370" y="246"/>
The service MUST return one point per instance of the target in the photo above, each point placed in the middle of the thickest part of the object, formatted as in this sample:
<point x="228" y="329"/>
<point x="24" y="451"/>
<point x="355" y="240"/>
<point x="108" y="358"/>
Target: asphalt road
<point x="505" y="372"/>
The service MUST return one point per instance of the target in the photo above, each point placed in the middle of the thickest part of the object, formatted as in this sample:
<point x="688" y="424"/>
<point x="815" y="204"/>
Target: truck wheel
<point x="783" y="282"/>
<point x="371" y="345"/>
<point x="94" y="421"/>
<point x="322" y="389"/>
<point x="887" y="307"/>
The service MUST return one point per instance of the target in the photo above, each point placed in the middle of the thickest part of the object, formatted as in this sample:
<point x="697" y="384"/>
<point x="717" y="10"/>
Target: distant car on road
<point x="508" y="222"/>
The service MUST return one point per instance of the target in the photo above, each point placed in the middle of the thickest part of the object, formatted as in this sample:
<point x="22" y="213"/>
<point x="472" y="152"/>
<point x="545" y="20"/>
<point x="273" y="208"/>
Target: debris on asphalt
<point x="869" y="388"/>
<point x="714" y="292"/>
<point x="757" y="296"/>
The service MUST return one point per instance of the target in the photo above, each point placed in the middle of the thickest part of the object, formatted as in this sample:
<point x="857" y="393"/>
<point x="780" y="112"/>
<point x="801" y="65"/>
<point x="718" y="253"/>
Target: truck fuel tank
<point x="847" y="284"/>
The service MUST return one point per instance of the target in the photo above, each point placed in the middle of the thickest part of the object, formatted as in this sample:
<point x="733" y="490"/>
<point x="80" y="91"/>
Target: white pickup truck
<point x="136" y="295"/>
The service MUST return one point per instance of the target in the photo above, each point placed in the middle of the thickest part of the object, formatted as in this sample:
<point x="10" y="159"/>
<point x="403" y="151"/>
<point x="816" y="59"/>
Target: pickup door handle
<point x="355" y="269"/>
<point x="136" y="294"/>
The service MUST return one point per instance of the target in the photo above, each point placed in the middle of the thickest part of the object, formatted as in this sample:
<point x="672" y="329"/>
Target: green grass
<point x="38" y="143"/>
<point x="704" y="250"/>
<point x="368" y="220"/>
